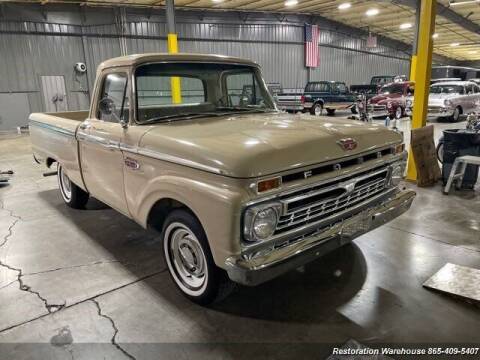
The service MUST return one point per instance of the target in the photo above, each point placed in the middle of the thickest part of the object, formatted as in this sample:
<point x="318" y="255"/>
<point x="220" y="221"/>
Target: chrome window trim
<point x="170" y="158"/>
<point x="98" y="140"/>
<point x="52" y="128"/>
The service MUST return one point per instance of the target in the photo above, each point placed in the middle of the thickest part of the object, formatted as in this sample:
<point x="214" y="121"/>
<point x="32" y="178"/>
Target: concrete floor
<point x="92" y="284"/>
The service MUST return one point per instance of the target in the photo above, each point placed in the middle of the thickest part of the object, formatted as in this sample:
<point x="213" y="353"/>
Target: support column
<point x="172" y="46"/>
<point x="423" y="71"/>
<point x="413" y="62"/>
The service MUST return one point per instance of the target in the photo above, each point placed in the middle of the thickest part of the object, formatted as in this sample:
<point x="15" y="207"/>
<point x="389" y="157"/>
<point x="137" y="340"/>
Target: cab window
<point x="340" y="88"/>
<point x="114" y="88"/>
<point x="243" y="89"/>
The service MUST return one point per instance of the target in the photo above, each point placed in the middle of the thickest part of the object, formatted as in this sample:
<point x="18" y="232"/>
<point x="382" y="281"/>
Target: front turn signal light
<point x="269" y="184"/>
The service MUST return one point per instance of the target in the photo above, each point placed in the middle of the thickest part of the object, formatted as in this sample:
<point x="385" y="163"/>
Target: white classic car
<point x="451" y="99"/>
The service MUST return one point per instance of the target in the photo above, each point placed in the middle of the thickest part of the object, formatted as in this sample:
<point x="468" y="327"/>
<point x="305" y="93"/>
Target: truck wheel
<point x="72" y="195"/>
<point x="316" y="109"/>
<point x="354" y="110"/>
<point x="456" y="114"/>
<point x="440" y="151"/>
<point x="398" y="113"/>
<point x="330" y="112"/>
<point x="190" y="262"/>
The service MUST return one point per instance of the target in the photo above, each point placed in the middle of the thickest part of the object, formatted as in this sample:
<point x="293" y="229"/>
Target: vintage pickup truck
<point x="239" y="191"/>
<point x="328" y="95"/>
<point x="392" y="100"/>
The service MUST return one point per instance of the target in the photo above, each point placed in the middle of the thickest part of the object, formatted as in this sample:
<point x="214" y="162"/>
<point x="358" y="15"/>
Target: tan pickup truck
<point x="240" y="192"/>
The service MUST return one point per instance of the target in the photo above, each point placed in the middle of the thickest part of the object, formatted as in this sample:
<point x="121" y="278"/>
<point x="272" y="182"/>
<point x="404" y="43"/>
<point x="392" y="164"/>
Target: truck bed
<point x="53" y="137"/>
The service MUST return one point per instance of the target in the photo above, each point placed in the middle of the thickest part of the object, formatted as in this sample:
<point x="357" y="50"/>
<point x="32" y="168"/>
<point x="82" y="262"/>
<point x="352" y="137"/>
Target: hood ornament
<point x="347" y="144"/>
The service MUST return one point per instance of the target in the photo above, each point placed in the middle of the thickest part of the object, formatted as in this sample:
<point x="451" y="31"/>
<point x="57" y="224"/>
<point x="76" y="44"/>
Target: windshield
<point x="446" y="89"/>
<point x="379" y="80"/>
<point x="391" y="89"/>
<point x="199" y="89"/>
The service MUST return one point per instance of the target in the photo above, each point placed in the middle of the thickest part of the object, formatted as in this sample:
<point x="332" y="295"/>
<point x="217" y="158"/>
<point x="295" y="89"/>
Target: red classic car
<point x="391" y="100"/>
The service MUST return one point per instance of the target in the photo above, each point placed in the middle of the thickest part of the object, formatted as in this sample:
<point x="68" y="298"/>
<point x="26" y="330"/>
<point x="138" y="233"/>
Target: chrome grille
<point x="376" y="107"/>
<point x="319" y="203"/>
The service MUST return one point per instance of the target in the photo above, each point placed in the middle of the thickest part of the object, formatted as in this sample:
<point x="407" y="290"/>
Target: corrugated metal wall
<point x="30" y="49"/>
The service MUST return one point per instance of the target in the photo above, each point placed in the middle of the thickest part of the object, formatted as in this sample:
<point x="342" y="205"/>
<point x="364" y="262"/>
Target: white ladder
<point x="458" y="170"/>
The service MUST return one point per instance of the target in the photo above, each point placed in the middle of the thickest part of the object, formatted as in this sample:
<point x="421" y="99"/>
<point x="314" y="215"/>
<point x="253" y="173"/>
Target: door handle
<point x="84" y="126"/>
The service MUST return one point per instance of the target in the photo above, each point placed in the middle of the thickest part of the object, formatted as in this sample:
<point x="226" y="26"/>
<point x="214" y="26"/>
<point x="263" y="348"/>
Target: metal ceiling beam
<point x="447" y="13"/>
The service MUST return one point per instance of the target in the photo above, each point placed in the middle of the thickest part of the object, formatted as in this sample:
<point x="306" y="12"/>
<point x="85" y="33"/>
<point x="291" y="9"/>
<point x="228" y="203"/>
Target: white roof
<point x="460" y="83"/>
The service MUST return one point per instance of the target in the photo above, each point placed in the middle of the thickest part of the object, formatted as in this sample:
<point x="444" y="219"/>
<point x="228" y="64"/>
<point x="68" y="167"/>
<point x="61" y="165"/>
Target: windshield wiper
<point x="182" y="116"/>
<point x="242" y="109"/>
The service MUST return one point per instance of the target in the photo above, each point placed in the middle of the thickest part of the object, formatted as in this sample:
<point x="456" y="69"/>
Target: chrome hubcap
<point x="456" y="114"/>
<point x="185" y="257"/>
<point x="318" y="110"/>
<point x="399" y="113"/>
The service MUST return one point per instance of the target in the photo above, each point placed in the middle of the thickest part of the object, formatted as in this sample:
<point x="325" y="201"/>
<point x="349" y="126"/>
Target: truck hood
<point x="381" y="99"/>
<point x="253" y="145"/>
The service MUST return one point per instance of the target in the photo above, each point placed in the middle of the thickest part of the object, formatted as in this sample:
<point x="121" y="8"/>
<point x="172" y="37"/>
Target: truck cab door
<point x="99" y="138"/>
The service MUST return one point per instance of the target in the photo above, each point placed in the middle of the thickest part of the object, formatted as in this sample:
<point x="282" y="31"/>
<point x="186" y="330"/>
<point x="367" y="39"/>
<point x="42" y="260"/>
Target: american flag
<point x="311" y="45"/>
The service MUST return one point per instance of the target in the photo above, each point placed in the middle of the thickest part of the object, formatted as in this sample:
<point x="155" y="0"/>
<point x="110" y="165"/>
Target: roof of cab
<point x="455" y="83"/>
<point x="136" y="59"/>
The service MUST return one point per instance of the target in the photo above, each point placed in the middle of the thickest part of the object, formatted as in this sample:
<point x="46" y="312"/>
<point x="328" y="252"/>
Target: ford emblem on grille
<point x="347" y="144"/>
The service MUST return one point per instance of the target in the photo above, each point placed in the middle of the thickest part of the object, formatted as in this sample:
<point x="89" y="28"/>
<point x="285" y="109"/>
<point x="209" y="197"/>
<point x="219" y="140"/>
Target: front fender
<point x="214" y="200"/>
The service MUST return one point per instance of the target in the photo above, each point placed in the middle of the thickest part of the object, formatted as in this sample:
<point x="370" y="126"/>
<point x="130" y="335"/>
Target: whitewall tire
<point x="189" y="260"/>
<point x="72" y="195"/>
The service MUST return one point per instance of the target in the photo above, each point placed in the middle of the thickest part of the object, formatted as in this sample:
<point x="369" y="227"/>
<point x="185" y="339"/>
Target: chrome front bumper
<point x="438" y="112"/>
<point x="266" y="267"/>
<point x="377" y="111"/>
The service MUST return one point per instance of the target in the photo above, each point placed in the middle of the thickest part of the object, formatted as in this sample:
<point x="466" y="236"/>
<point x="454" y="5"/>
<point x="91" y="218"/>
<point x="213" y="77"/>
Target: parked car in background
<point x="434" y="81"/>
<point x="274" y="89"/>
<point x="475" y="80"/>
<point x="391" y="100"/>
<point x="289" y="100"/>
<point x="368" y="90"/>
<point x="328" y="95"/>
<point x="381" y="80"/>
<point x="452" y="99"/>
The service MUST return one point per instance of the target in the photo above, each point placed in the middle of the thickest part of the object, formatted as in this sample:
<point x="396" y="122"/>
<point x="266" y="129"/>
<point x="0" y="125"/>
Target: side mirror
<point x="106" y="106"/>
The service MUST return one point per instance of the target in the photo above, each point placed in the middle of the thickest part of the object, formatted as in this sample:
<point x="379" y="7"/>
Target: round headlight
<point x="447" y="103"/>
<point x="389" y="105"/>
<point x="264" y="223"/>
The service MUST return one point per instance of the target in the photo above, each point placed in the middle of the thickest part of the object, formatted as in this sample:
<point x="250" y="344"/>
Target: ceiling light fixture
<point x="405" y="26"/>
<point x="454" y="44"/>
<point x="344" y="6"/>
<point x="372" y="12"/>
<point x="434" y="36"/>
<point x="455" y="3"/>
<point x="290" y="3"/>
